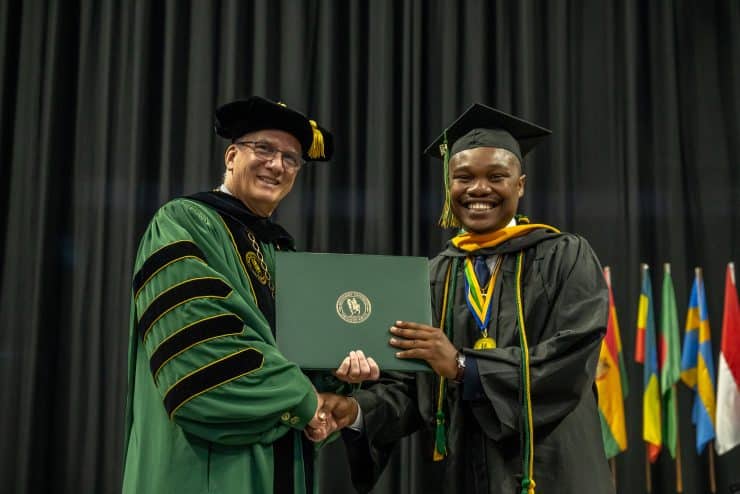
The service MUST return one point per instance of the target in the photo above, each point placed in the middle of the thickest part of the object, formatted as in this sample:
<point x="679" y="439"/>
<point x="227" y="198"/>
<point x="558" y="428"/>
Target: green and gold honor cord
<point x="528" y="483"/>
<point x="446" y="318"/>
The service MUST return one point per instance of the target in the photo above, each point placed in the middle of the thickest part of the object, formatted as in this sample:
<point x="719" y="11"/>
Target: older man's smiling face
<point x="261" y="183"/>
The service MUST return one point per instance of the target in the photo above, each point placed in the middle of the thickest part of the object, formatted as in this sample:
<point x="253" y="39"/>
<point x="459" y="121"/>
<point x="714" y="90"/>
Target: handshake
<point x="335" y="412"/>
<point x="414" y="341"/>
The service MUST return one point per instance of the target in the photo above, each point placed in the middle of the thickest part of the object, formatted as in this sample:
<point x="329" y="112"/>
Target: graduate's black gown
<point x="565" y="303"/>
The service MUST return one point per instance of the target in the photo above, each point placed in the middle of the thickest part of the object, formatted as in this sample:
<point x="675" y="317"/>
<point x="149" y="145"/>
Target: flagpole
<point x="613" y="468"/>
<point x="712" y="480"/>
<point x="679" y="475"/>
<point x="649" y="483"/>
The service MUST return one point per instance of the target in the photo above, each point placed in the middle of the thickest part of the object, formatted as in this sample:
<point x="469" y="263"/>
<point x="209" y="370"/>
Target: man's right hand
<point x="318" y="427"/>
<point x="339" y="412"/>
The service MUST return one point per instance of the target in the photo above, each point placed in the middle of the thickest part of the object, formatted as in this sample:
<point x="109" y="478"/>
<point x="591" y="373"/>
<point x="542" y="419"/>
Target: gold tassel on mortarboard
<point x="317" y="146"/>
<point x="447" y="219"/>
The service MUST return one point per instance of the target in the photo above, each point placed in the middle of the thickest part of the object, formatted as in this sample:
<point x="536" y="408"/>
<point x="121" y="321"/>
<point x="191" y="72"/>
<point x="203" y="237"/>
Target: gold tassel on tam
<point x="317" y="146"/>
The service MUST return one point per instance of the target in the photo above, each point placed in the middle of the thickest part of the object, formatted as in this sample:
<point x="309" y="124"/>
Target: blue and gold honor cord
<point x="480" y="302"/>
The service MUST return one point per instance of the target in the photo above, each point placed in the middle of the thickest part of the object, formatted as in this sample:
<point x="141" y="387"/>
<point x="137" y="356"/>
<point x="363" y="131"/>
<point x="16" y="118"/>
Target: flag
<point x="611" y="380"/>
<point x="670" y="361"/>
<point x="728" y="381"/>
<point x="642" y="312"/>
<point x="697" y="366"/>
<point x="651" y="428"/>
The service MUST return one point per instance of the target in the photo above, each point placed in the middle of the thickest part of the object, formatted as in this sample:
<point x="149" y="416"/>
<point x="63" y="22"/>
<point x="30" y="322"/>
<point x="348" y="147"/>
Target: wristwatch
<point x="460" y="359"/>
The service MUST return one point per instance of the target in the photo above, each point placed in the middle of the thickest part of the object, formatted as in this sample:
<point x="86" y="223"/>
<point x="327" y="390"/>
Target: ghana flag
<point x="611" y="381"/>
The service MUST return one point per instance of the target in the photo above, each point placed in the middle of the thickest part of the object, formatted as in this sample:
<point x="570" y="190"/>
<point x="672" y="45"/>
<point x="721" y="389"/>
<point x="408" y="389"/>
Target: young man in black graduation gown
<point x="495" y="418"/>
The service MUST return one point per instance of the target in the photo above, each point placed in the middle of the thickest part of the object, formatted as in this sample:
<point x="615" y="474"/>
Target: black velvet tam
<point x="237" y="118"/>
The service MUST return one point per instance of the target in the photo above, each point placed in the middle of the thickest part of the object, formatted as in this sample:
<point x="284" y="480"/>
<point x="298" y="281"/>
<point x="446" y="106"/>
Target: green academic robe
<point x="565" y="307"/>
<point x="213" y="406"/>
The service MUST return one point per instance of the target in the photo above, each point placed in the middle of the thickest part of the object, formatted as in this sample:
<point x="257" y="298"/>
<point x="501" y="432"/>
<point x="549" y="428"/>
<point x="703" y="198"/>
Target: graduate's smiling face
<point x="261" y="183"/>
<point x="485" y="186"/>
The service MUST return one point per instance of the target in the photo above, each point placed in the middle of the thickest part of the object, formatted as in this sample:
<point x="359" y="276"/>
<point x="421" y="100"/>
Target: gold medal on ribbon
<point x="480" y="302"/>
<point x="485" y="342"/>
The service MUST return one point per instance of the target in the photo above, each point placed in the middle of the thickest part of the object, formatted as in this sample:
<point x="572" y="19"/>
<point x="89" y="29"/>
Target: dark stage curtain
<point x="106" y="113"/>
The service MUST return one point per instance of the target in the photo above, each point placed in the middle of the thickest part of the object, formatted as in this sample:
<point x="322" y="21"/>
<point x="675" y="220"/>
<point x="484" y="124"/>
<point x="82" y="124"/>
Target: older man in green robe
<point x="213" y="406"/>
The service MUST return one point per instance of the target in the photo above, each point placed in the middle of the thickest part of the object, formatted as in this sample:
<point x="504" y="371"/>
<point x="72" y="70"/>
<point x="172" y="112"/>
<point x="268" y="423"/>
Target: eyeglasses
<point x="266" y="151"/>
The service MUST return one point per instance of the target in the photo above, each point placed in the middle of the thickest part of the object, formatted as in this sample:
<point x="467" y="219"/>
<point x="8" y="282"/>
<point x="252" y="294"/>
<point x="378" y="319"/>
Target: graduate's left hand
<point x="427" y="343"/>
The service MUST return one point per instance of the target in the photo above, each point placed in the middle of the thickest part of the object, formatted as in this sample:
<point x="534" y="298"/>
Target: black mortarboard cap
<point x="483" y="126"/>
<point x="237" y="118"/>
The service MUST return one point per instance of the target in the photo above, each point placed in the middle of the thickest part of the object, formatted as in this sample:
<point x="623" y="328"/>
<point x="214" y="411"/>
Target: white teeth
<point x="479" y="206"/>
<point x="268" y="180"/>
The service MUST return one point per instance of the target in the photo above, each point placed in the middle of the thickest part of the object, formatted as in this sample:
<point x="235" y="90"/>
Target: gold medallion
<point x="484" y="343"/>
<point x="253" y="263"/>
